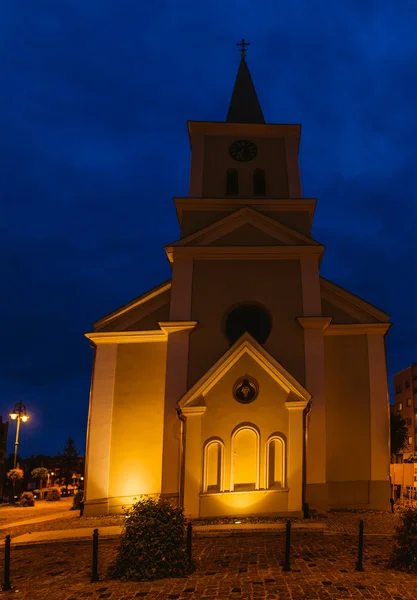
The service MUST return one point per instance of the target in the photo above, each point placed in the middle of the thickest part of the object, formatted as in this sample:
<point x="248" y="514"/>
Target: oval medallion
<point x="245" y="389"/>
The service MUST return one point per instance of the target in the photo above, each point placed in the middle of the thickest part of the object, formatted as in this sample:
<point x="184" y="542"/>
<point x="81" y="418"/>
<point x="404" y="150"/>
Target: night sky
<point x="95" y="96"/>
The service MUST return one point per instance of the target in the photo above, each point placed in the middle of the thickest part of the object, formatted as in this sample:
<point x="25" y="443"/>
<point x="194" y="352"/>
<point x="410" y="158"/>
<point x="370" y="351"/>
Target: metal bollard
<point x="6" y="583"/>
<point x="392" y="502"/>
<point x="359" y="565"/>
<point x="81" y="508"/>
<point x="287" y="566"/>
<point x="94" y="572"/>
<point x="189" y="541"/>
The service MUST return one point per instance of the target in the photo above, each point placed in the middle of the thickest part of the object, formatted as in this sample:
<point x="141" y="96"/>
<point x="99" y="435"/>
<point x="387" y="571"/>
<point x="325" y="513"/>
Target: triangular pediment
<point x="246" y="227"/>
<point x="245" y="345"/>
<point x="142" y="313"/>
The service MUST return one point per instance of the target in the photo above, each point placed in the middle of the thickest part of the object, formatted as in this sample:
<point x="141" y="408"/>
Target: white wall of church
<point x="137" y="423"/>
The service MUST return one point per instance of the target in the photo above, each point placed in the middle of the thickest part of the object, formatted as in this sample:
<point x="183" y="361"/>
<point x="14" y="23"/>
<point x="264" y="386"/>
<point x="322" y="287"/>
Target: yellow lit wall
<point x="223" y="414"/>
<point x="219" y="285"/>
<point x="347" y="419"/>
<point x="137" y="425"/>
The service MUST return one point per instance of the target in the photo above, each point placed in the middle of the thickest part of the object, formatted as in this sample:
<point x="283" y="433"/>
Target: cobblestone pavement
<point x="10" y="514"/>
<point x="375" y="523"/>
<point x="339" y="522"/>
<point x="239" y="567"/>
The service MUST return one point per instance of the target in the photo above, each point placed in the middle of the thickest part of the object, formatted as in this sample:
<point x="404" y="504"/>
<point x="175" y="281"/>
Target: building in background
<point x="4" y="427"/>
<point x="405" y="403"/>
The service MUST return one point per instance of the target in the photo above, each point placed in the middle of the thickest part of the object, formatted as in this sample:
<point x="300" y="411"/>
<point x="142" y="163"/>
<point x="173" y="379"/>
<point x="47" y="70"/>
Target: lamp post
<point x="19" y="414"/>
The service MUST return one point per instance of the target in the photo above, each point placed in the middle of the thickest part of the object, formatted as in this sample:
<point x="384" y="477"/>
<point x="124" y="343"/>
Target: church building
<point x="247" y="384"/>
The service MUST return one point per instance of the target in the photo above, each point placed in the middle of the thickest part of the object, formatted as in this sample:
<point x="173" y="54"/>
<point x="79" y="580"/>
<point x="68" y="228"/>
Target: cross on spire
<point x="244" y="105"/>
<point x="243" y="49"/>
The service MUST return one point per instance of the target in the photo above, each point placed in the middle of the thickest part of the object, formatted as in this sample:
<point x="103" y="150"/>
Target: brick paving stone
<point x="323" y="568"/>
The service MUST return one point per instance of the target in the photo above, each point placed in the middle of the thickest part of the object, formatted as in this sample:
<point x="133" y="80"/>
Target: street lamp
<point x="18" y="414"/>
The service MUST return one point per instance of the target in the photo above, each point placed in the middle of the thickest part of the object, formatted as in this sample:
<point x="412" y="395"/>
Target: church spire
<point x="244" y="105"/>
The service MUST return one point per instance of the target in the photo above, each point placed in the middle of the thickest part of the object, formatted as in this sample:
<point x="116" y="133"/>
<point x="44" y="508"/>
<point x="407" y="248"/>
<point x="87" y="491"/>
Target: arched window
<point x="213" y="467"/>
<point x="251" y="318"/>
<point x="259" y="185"/>
<point x="245" y="459"/>
<point x="232" y="182"/>
<point x="275" y="463"/>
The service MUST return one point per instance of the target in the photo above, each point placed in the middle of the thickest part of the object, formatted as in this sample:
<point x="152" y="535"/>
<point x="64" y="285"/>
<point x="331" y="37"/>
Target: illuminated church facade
<point x="247" y="384"/>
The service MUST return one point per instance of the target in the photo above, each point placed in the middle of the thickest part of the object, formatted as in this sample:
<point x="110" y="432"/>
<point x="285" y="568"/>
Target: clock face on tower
<point x="243" y="150"/>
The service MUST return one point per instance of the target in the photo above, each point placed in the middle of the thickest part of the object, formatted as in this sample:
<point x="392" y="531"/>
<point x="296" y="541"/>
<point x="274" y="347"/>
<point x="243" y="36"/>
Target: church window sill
<point x="226" y="493"/>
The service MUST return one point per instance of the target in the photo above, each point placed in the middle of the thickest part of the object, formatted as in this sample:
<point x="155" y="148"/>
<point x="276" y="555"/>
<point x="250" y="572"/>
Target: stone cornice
<point x="194" y="410"/>
<point x="126" y="337"/>
<point x="314" y="322"/>
<point x="263" y="130"/>
<point x="358" y="329"/>
<point x="176" y="326"/>
<point x="296" y="404"/>
<point x="231" y="204"/>
<point x="242" y="252"/>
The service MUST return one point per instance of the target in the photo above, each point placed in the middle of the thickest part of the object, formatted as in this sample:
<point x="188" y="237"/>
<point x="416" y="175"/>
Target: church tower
<point x="253" y="385"/>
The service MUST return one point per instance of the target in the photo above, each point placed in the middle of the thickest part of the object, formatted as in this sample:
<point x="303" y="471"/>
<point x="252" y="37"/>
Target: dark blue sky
<point x="94" y="103"/>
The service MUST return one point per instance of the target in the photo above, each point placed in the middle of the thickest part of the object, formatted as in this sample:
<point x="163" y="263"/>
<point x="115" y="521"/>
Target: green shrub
<point x="404" y="552"/>
<point x="53" y="495"/>
<point x="27" y="499"/>
<point x="78" y="496"/>
<point x="153" y="544"/>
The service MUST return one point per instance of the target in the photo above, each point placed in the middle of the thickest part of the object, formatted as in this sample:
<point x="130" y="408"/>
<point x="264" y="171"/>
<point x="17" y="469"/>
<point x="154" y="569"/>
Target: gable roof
<point x="246" y="344"/>
<point x="352" y="304"/>
<point x="246" y="215"/>
<point x="146" y="298"/>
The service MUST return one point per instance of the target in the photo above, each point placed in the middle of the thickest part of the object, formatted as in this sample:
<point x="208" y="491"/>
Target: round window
<point x="251" y="318"/>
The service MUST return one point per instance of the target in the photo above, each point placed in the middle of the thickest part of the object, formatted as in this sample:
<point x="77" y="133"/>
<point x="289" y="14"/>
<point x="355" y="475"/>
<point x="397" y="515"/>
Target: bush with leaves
<point x="53" y="495"/>
<point x="78" y="496"/>
<point x="404" y="552"/>
<point x="153" y="544"/>
<point x="27" y="499"/>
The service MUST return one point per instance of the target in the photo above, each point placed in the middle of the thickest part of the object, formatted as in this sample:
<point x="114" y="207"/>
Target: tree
<point x="68" y="460"/>
<point x="15" y="474"/>
<point x="39" y="473"/>
<point x="399" y="433"/>
<point x="412" y="458"/>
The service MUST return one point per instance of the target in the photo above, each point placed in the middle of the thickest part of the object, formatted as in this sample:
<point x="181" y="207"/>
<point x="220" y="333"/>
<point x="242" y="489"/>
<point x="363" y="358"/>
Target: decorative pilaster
<point x="181" y="289"/>
<point x="193" y="460"/>
<point x="99" y="429"/>
<point x="195" y="189"/>
<point x="314" y="328"/>
<point x="178" y="330"/>
<point x="175" y="387"/>
<point x="295" y="454"/>
<point x="379" y="405"/>
<point x="293" y="170"/>
<point x="310" y="284"/>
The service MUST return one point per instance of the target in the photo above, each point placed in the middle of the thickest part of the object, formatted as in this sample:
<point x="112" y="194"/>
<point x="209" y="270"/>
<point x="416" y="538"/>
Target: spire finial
<point x="243" y="49"/>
